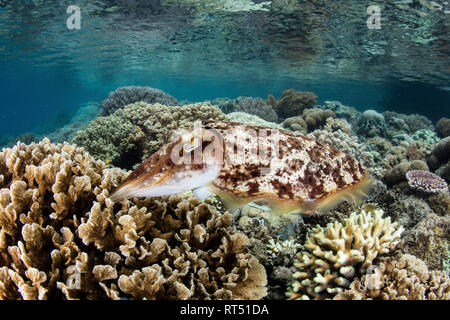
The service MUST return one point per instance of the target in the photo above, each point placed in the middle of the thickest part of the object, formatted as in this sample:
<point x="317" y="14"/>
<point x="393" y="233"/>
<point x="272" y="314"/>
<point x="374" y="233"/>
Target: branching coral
<point x="333" y="255"/>
<point x="61" y="237"/>
<point x="133" y="133"/>
<point x="399" y="278"/>
<point x="124" y="96"/>
<point x="292" y="102"/>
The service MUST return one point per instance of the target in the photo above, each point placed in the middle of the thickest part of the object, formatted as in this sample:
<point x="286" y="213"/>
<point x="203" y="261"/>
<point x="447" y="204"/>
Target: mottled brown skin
<point x="305" y="170"/>
<point x="305" y="175"/>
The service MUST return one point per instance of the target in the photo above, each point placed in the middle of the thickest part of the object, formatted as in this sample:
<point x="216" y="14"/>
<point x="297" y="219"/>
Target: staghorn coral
<point x="61" y="237"/>
<point x="292" y="102"/>
<point x="426" y="181"/>
<point x="333" y="255"/>
<point x="256" y="107"/>
<point x="404" y="277"/>
<point x="132" y="134"/>
<point x="124" y="96"/>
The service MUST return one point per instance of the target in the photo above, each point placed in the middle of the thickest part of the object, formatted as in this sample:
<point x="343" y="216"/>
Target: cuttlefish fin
<point x="202" y="193"/>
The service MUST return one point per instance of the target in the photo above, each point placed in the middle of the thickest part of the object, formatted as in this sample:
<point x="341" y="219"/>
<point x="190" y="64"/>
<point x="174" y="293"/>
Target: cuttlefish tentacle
<point x="243" y="163"/>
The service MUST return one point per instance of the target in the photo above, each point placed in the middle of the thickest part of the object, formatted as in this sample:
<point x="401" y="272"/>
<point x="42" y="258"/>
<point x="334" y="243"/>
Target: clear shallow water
<point x="200" y="50"/>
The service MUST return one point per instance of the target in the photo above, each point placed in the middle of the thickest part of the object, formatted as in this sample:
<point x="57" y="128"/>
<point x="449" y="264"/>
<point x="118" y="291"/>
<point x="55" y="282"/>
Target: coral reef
<point x="316" y="118"/>
<point x="132" y="134"/>
<point x="333" y="255"/>
<point x="442" y="127"/>
<point x="408" y="123"/>
<point x="404" y="277"/>
<point x="292" y="102"/>
<point x="124" y="96"/>
<point x="428" y="240"/>
<point x="371" y="124"/>
<point x="295" y="124"/>
<point x="61" y="237"/>
<point x="426" y="181"/>
<point x="243" y="117"/>
<point x="398" y="173"/>
<point x="257" y="107"/>
<point x="440" y="159"/>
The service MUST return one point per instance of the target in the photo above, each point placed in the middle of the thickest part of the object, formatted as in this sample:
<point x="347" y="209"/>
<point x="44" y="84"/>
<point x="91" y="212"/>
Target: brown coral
<point x="399" y="278"/>
<point x="62" y="238"/>
<point x="443" y="127"/>
<point x="292" y="102"/>
<point x="316" y="118"/>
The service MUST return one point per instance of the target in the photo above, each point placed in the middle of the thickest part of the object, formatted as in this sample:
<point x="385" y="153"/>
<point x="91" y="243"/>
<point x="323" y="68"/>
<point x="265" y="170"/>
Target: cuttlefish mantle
<point x="243" y="163"/>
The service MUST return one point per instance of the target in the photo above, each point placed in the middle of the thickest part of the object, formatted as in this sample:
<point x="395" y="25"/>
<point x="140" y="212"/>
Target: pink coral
<point x="426" y="181"/>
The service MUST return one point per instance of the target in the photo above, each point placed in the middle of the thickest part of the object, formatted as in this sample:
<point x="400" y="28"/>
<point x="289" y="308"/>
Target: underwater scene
<point x="224" y="150"/>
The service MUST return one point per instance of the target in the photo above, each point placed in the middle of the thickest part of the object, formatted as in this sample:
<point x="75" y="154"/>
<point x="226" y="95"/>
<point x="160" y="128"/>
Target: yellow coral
<point x="334" y="254"/>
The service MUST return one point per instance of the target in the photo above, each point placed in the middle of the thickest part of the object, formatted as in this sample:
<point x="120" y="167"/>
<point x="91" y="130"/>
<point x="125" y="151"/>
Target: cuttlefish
<point x="243" y="163"/>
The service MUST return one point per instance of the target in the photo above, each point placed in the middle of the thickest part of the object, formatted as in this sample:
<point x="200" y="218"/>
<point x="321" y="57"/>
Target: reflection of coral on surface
<point x="401" y="278"/>
<point x="62" y="238"/>
<point x="333" y="255"/>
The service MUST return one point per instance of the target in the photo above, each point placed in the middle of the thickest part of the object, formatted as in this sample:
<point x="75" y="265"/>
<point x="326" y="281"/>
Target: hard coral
<point x="124" y="96"/>
<point x="61" y="237"/>
<point x="132" y="134"/>
<point x="256" y="107"/>
<point x="333" y="255"/>
<point x="292" y="102"/>
<point x="426" y="181"/>
<point x="399" y="278"/>
<point x="428" y="240"/>
<point x="443" y="127"/>
<point x="316" y="118"/>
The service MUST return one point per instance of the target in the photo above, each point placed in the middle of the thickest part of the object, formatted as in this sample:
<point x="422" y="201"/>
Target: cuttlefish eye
<point x="194" y="144"/>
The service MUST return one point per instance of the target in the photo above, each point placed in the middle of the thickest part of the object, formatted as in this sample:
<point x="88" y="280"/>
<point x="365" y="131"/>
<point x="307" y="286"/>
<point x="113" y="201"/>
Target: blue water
<point x="48" y="71"/>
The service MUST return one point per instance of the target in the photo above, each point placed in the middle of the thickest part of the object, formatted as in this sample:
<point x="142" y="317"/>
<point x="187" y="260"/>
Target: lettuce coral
<point x="132" y="134"/>
<point x="61" y="237"/>
<point x="333" y="255"/>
